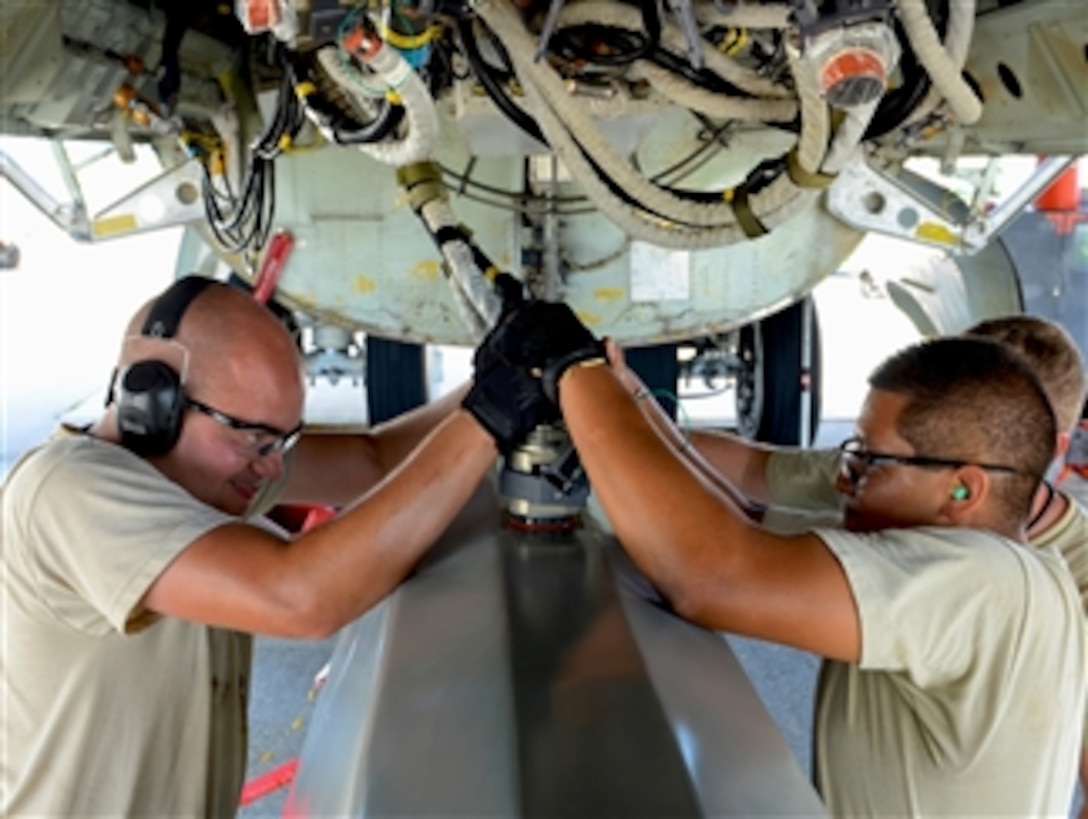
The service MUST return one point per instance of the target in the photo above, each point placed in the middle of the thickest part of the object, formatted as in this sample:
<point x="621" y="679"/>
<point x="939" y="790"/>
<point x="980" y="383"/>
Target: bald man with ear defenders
<point x="136" y="566"/>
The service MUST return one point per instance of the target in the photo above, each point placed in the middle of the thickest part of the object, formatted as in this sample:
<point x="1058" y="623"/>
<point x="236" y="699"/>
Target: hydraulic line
<point x="744" y="15"/>
<point x="421" y="134"/>
<point x="639" y="43"/>
<point x="506" y="23"/>
<point x="335" y="123"/>
<point x="944" y="64"/>
<point x="778" y="201"/>
<point x="644" y="208"/>
<point x="684" y="93"/>
<point x="465" y="261"/>
<point x="491" y="85"/>
<point x="633" y="221"/>
<point x="471" y="271"/>
<point x="958" y="28"/>
<point x="337" y="65"/>
<point x="626" y="17"/>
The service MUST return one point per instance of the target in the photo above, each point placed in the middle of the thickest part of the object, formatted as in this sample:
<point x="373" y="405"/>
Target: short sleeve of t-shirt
<point x="804" y="478"/>
<point x="973" y="649"/>
<point x="93" y="527"/>
<point x="1069" y="536"/>
<point x="918" y="596"/>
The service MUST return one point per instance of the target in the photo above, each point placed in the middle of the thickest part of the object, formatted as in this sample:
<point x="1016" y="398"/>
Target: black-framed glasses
<point x="262" y="439"/>
<point x="855" y="461"/>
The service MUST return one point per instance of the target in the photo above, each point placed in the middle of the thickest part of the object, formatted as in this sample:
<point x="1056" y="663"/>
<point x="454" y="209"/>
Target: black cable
<point x="486" y="74"/>
<point x="898" y="104"/>
<point x="624" y="46"/>
<point x="651" y="19"/>
<point x="244" y="221"/>
<point x="440" y="71"/>
<point x="703" y="153"/>
<point x="339" y="125"/>
<point x="701" y="77"/>
<point x="345" y="132"/>
<point x="576" y="205"/>
<point x="600" y="45"/>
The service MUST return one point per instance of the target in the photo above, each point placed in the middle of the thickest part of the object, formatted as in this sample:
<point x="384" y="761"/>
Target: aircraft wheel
<point x="769" y="380"/>
<point x="659" y="369"/>
<point x="395" y="378"/>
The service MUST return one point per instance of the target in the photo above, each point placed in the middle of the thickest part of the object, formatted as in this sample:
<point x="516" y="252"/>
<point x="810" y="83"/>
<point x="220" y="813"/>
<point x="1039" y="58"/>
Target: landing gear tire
<point x="395" y="378"/>
<point x="659" y="369"/>
<point x="771" y="377"/>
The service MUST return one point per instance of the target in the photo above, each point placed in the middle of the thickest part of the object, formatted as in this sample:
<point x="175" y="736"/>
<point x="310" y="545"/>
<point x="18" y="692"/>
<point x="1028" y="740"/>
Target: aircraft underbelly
<point x="518" y="675"/>
<point x="362" y="259"/>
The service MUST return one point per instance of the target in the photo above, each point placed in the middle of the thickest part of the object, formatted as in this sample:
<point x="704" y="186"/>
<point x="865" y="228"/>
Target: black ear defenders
<point x="149" y="396"/>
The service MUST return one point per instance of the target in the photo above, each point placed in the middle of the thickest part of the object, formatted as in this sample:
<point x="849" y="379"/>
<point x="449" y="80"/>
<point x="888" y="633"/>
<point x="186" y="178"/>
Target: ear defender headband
<point x="149" y="397"/>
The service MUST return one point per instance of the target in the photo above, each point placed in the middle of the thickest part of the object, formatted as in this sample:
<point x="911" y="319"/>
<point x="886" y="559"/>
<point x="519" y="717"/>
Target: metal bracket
<point x="70" y="217"/>
<point x="980" y="231"/>
<point x="171" y="198"/>
<point x="868" y="200"/>
<point x="911" y="207"/>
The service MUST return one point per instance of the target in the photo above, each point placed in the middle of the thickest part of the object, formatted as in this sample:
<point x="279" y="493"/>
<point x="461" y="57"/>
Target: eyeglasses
<point x="855" y="461"/>
<point x="262" y="440"/>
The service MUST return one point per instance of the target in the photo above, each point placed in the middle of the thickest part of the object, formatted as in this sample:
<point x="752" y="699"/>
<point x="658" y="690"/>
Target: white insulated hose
<point x="421" y="135"/>
<point x="944" y="65"/>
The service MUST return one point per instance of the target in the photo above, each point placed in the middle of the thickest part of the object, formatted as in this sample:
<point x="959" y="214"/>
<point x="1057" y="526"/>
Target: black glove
<point x="543" y="336"/>
<point x="510" y="291"/>
<point x="508" y="403"/>
<point x="511" y="295"/>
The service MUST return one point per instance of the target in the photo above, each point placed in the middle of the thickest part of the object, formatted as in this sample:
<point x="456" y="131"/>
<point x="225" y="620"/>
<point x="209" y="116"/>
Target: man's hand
<point x="509" y="404"/>
<point x="545" y="337"/>
<point x="511" y="293"/>
<point x="505" y="398"/>
<point x="519" y="363"/>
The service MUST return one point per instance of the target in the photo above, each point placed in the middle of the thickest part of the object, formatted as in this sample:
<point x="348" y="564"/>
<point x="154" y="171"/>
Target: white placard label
<point x="659" y="274"/>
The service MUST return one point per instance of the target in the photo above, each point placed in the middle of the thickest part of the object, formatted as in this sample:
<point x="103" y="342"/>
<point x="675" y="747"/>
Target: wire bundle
<point x="243" y="221"/>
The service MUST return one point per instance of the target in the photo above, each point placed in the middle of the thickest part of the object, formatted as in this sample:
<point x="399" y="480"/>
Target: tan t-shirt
<point x="110" y="710"/>
<point x="973" y="657"/>
<point x="801" y="479"/>
<point x="1069" y="536"/>
<point x="804" y="478"/>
